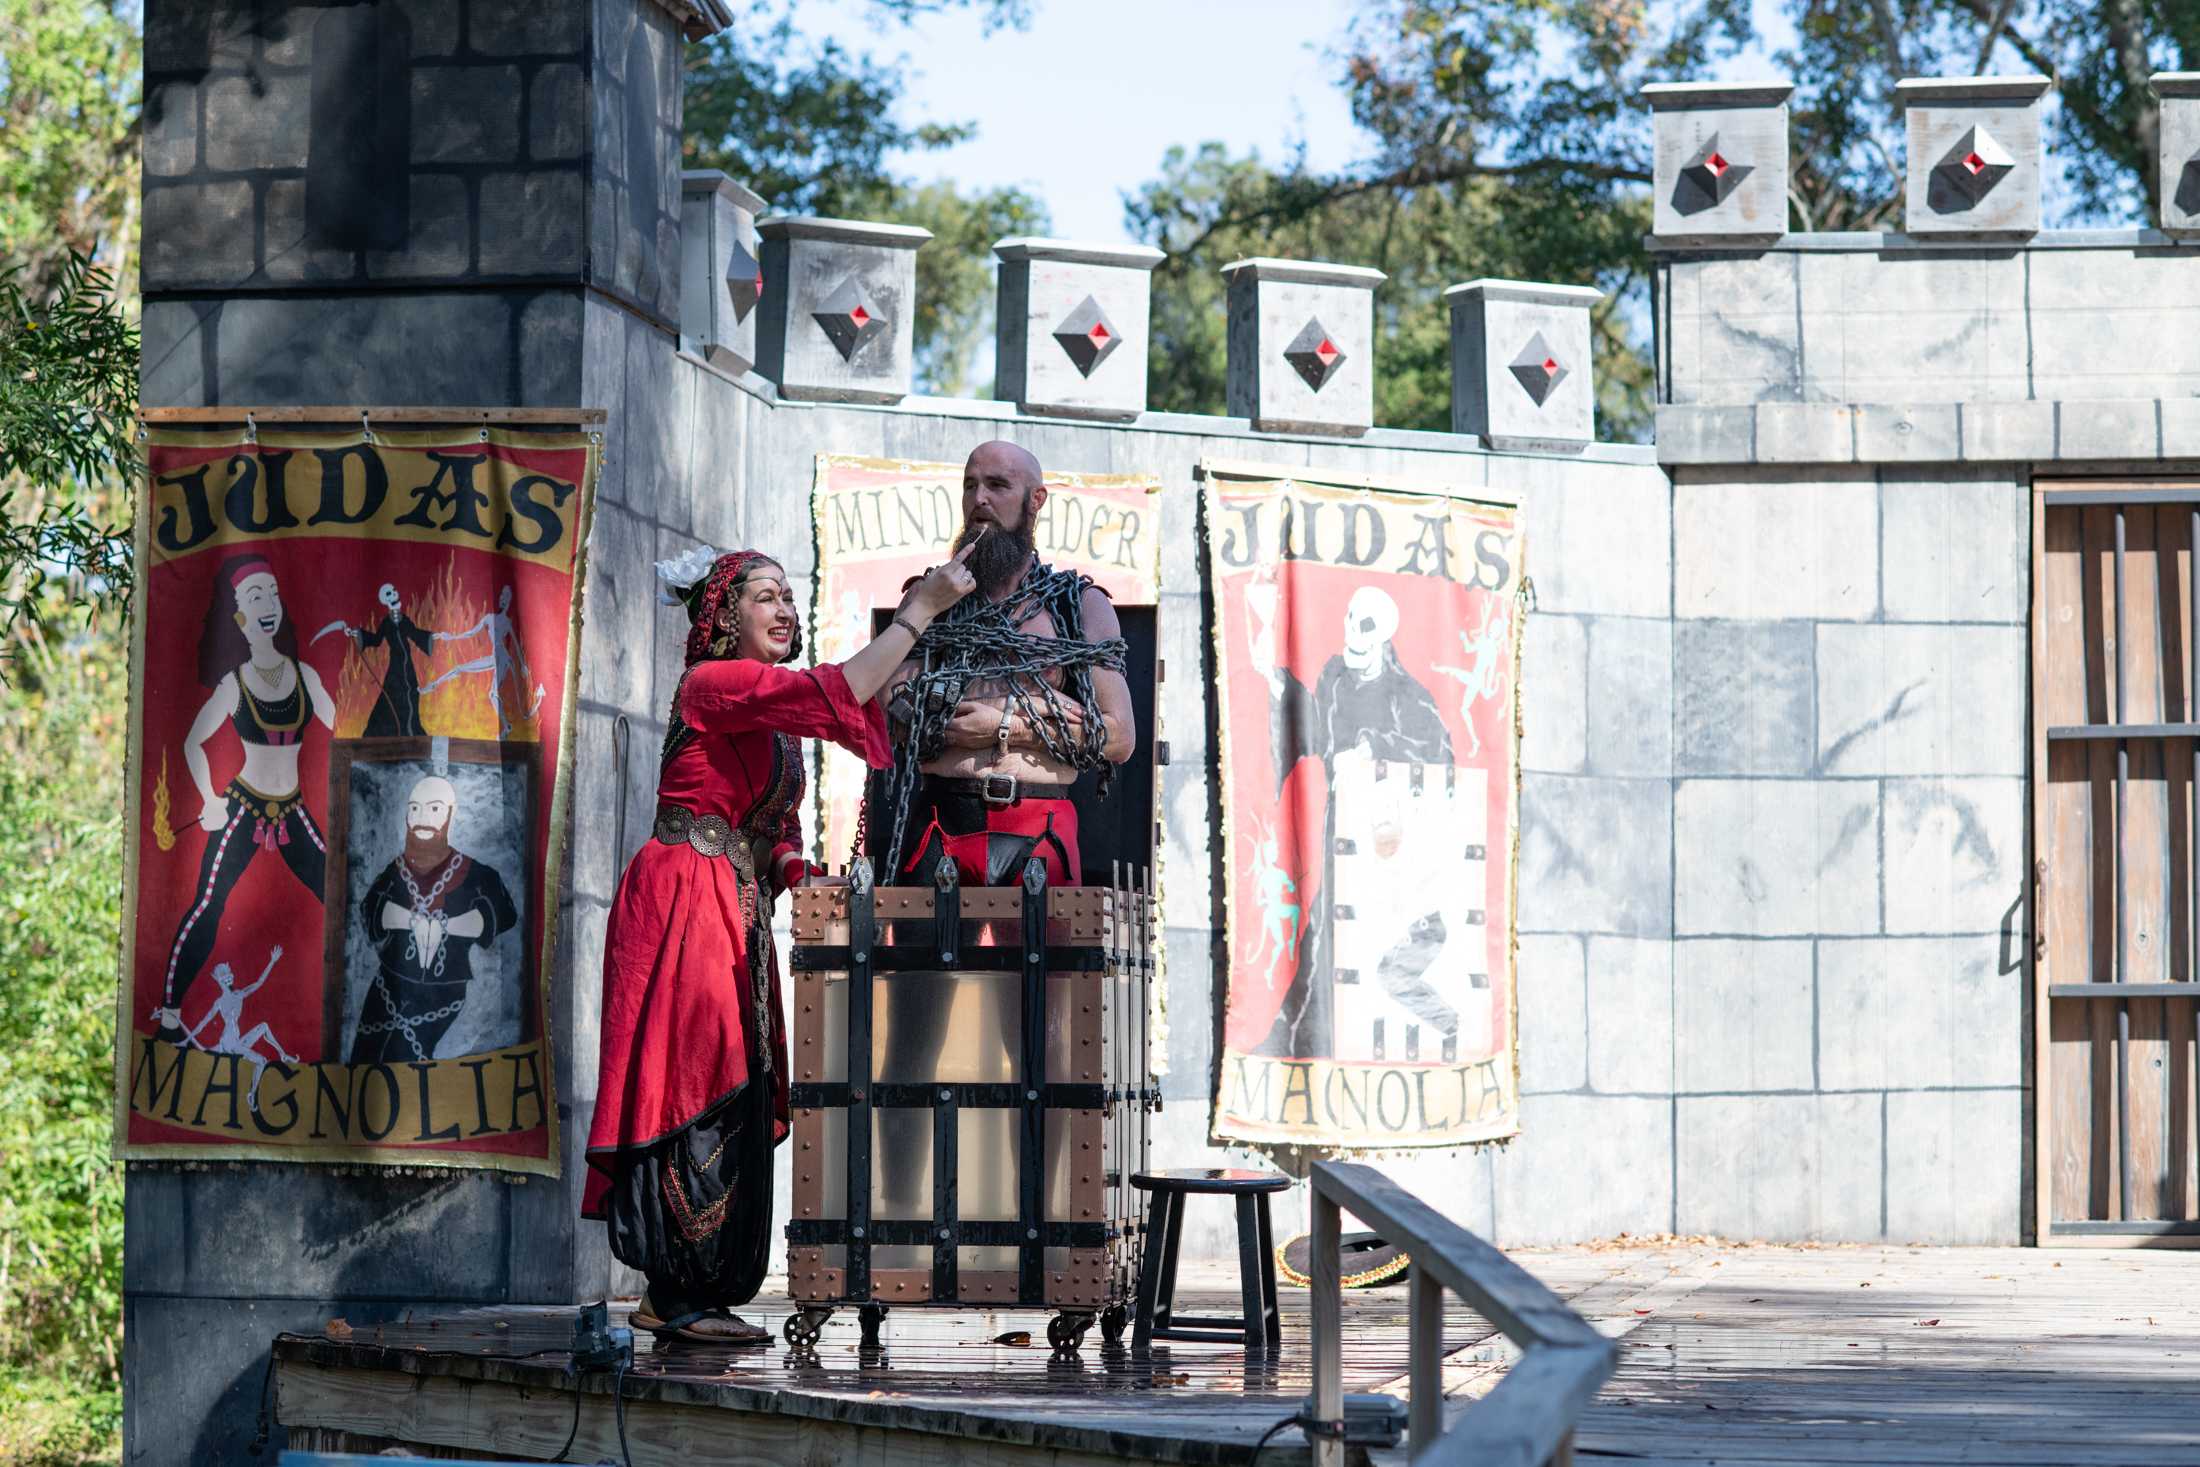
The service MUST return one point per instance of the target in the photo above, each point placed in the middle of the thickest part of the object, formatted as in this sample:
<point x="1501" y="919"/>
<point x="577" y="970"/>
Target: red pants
<point x="989" y="844"/>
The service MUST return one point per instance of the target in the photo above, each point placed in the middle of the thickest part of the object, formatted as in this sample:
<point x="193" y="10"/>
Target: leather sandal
<point x="688" y="1327"/>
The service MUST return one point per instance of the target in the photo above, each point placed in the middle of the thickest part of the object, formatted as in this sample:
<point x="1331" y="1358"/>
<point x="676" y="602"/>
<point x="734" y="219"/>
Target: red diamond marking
<point x="759" y="285"/>
<point x="1098" y="334"/>
<point x="1974" y="163"/>
<point x="1550" y="365"/>
<point x="1327" y="351"/>
<point x="860" y="316"/>
<point x="1717" y="165"/>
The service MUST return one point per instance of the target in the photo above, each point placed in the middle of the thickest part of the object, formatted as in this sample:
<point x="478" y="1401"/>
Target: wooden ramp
<point x="1740" y="1356"/>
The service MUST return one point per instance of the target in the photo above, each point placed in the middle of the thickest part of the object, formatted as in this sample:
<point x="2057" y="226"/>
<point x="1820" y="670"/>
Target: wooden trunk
<point x="986" y="1049"/>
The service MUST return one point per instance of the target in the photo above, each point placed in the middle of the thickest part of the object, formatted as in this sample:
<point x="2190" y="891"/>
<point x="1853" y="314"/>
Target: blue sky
<point x="1079" y="108"/>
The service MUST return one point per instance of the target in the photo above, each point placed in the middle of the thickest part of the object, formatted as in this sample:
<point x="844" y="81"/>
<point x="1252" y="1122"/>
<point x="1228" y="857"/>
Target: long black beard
<point x="999" y="561"/>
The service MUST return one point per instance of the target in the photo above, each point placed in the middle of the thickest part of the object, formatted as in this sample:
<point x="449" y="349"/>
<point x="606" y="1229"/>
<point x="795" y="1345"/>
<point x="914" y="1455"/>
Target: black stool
<point x="1262" y="1324"/>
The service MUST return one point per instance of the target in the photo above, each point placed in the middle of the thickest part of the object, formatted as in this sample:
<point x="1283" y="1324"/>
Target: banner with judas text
<point x="1367" y="659"/>
<point x="353" y="683"/>
<point x="880" y="522"/>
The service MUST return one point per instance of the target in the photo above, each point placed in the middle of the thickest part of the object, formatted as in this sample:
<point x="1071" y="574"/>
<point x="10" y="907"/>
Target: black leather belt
<point x="993" y="789"/>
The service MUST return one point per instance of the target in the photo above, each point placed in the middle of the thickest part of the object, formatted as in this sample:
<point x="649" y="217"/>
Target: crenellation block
<point x="1302" y="345"/>
<point x="721" y="269"/>
<point x="1072" y="327"/>
<point x="1974" y="156"/>
<point x="839" y="308"/>
<point x="2178" y="152"/>
<point x="1521" y="373"/>
<point x="1720" y="162"/>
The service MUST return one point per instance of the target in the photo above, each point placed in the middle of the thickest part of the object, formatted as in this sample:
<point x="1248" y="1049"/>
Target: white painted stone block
<point x="1921" y="699"/>
<point x="1720" y="161"/>
<point x="1689" y="434"/>
<point x="2008" y="432"/>
<point x="2118" y="327"/>
<point x="1589" y="855"/>
<point x="721" y="268"/>
<point x="1554" y="1015"/>
<point x="1913" y="326"/>
<point x="1522" y="373"/>
<point x="1955" y="548"/>
<point x="1742" y="1014"/>
<point x="1554" y="670"/>
<point x="1072" y="327"/>
<point x="1630" y="696"/>
<point x="1777" y="543"/>
<point x="1585" y="1166"/>
<point x="1955" y="854"/>
<point x="1782" y="1168"/>
<point x="2178" y="155"/>
<point x="839" y="308"/>
<point x="1775" y="857"/>
<point x="1743" y="697"/>
<point x="1955" y="1167"/>
<point x="1919" y="433"/>
<point x="1910" y="1013"/>
<point x="2180" y="427"/>
<point x="1599" y="535"/>
<point x="1805" y="432"/>
<point x="1974" y="155"/>
<point x="1302" y="345"/>
<point x="1630" y="988"/>
<point x="2106" y="430"/>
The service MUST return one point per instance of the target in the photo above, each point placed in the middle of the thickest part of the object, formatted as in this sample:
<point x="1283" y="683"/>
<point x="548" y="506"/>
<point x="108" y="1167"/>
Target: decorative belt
<point x="714" y="836"/>
<point x="679" y="826"/>
<point x="994" y="789"/>
<point x="270" y="813"/>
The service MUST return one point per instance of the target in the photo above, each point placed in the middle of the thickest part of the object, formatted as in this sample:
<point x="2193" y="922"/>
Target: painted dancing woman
<point x="248" y="655"/>
<point x="693" y="1090"/>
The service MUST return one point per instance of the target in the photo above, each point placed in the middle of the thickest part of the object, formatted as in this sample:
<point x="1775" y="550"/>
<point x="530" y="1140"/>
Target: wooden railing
<point x="1528" y="1420"/>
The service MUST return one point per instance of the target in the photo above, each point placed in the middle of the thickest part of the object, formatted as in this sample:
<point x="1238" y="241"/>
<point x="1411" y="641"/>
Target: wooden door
<point x="2116" y="921"/>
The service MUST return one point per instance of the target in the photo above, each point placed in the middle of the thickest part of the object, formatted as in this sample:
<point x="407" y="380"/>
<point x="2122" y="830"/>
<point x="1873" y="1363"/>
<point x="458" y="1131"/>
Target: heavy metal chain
<point x="982" y="641"/>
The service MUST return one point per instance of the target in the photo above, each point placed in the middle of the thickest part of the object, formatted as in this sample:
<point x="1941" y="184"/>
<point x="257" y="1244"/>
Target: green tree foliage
<point x="61" y="759"/>
<point x="68" y="413"/>
<point x="809" y="125"/>
<point x="69" y="139"/>
<point x="2103" y="124"/>
<point x="1507" y="139"/>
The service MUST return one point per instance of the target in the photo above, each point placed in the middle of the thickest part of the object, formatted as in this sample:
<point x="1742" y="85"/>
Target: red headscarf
<point x="720" y="585"/>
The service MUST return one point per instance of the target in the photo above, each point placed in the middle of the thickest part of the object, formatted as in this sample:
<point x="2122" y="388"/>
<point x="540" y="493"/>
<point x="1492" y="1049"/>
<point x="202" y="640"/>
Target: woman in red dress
<point x="693" y="1090"/>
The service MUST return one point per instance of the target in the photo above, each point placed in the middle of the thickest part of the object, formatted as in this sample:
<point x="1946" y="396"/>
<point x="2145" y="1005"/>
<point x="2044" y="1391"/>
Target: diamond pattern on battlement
<point x="1087" y="336"/>
<point x="1314" y="354"/>
<point x="1538" y="370"/>
<point x="1709" y="178"/>
<point x="1975" y="164"/>
<point x="849" y="319"/>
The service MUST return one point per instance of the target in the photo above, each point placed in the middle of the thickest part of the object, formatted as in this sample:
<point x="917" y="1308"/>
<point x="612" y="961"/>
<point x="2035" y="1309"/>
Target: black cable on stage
<point x="1270" y="1435"/>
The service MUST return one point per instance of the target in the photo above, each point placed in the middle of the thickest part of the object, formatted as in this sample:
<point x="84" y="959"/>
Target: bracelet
<point x="907" y="625"/>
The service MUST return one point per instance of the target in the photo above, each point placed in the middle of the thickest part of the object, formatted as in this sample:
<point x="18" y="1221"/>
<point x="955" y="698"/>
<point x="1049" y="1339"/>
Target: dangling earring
<point x="724" y="643"/>
<point x="238" y="618"/>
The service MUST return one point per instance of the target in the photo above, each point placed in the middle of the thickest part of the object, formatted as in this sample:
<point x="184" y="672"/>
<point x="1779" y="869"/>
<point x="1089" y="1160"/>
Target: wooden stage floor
<point x="1741" y="1356"/>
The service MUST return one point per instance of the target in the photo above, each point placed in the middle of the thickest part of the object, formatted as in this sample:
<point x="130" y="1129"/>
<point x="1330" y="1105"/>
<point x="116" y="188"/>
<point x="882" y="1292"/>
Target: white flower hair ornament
<point x="678" y="577"/>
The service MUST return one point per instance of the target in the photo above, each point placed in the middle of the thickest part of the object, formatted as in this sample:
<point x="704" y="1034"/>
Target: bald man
<point x="996" y="789"/>
<point x="425" y="915"/>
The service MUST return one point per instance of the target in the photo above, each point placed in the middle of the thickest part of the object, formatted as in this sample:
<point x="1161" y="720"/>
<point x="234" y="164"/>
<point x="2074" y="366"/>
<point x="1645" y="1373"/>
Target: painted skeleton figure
<point x="505" y="660"/>
<point x="234" y="1038"/>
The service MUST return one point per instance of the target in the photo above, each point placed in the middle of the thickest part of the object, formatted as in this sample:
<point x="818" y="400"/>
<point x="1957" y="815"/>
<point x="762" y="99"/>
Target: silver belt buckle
<point x="987" y="784"/>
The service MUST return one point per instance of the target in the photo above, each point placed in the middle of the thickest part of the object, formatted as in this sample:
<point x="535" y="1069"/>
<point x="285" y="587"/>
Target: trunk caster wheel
<point x="870" y="1317"/>
<point x="804" y="1329"/>
<point x="1066" y="1331"/>
<point x="1112" y="1324"/>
